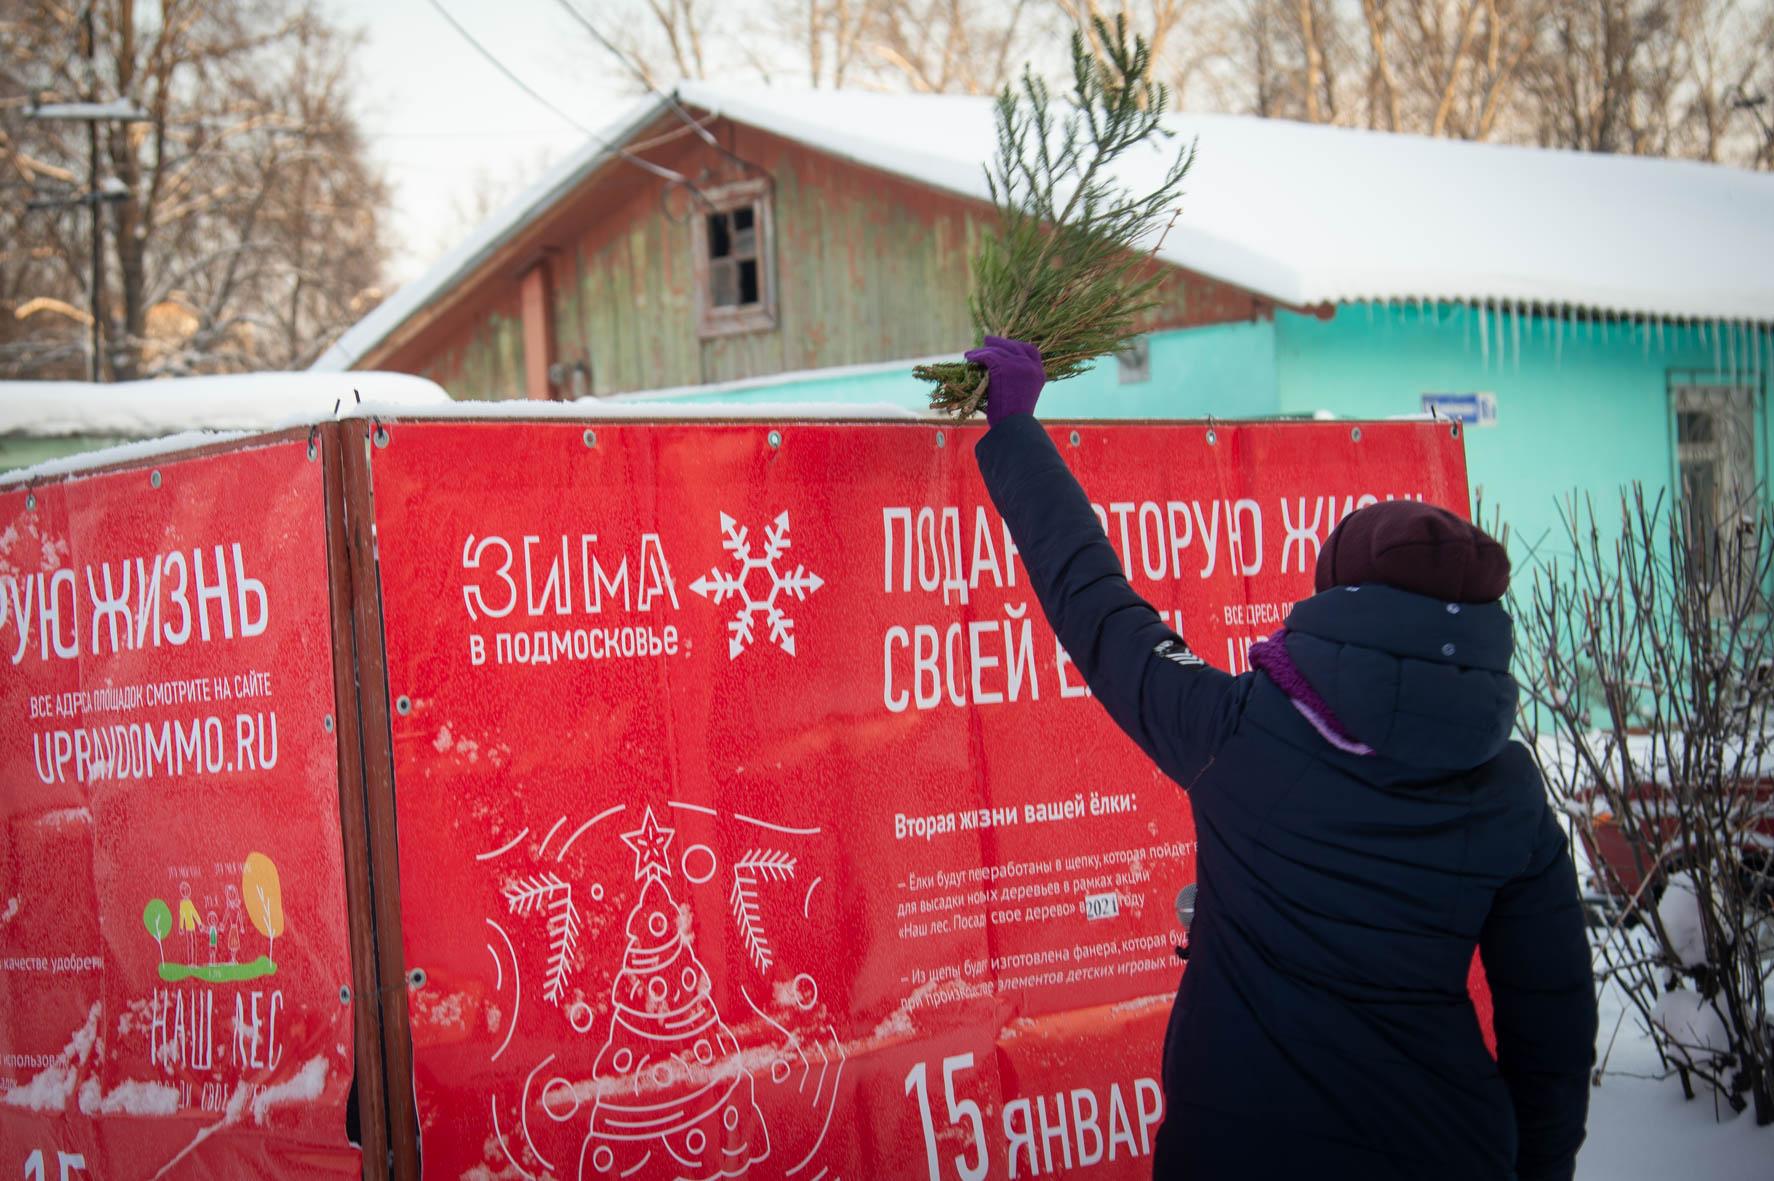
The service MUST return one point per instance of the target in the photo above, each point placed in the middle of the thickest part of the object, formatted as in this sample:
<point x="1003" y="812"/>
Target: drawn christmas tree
<point x="669" y="1076"/>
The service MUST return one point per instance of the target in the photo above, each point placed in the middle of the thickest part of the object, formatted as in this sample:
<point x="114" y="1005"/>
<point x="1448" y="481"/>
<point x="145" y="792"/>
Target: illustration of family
<point x="258" y="900"/>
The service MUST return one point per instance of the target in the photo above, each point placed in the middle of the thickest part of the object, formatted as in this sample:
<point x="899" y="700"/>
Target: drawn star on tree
<point x="649" y="843"/>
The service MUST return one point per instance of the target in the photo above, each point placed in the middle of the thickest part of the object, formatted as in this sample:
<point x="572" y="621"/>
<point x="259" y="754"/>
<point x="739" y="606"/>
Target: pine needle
<point x="1069" y="267"/>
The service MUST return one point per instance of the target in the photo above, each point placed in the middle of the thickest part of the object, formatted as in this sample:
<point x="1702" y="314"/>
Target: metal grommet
<point x="403" y="705"/>
<point x="1454" y="430"/>
<point x="1447" y="649"/>
<point x="941" y="439"/>
<point x="1355" y="435"/>
<point x="775" y="438"/>
<point x="381" y="436"/>
<point x="1453" y="608"/>
<point x="31" y="501"/>
<point x="416" y="978"/>
<point x="590" y="437"/>
<point x="326" y="723"/>
<point x="344" y="994"/>
<point x="154" y="478"/>
<point x="312" y="450"/>
<point x="1075" y="440"/>
<point x="1212" y="438"/>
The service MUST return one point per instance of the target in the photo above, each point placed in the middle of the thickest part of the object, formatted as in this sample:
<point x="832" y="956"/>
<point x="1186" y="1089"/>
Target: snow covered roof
<point x="249" y="401"/>
<point x="1301" y="214"/>
<point x="1308" y="214"/>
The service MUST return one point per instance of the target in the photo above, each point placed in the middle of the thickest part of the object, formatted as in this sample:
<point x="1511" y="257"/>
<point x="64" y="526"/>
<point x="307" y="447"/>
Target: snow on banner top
<point x="1299" y="213"/>
<point x="247" y="401"/>
<point x="585" y="409"/>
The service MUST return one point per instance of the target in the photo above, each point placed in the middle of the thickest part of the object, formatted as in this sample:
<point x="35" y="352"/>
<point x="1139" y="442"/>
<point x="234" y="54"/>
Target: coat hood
<point x="1422" y="681"/>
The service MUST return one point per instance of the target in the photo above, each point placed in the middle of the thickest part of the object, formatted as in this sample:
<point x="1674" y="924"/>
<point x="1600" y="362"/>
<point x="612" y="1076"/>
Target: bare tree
<point x="487" y="191"/>
<point x="832" y="36"/>
<point x="934" y="46"/>
<point x="246" y="234"/>
<point x="1687" y="78"/>
<point x="1185" y="41"/>
<point x="951" y="46"/>
<point x="1645" y="659"/>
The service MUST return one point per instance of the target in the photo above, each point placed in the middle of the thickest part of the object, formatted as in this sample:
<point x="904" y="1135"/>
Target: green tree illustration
<point x="157" y="917"/>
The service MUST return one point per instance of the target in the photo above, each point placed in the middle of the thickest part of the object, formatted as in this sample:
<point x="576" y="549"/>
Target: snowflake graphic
<point x="720" y="586"/>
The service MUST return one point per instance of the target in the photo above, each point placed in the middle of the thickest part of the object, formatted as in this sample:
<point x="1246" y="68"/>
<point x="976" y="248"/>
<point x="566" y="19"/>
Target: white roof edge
<point x="486" y="239"/>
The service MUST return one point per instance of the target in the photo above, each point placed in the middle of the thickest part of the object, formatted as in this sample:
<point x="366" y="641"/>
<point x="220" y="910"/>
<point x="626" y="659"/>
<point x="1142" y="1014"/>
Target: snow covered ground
<point x="1640" y="1127"/>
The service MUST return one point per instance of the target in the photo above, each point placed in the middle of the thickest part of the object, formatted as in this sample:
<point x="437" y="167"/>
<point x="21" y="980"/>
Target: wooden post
<point x="375" y="804"/>
<point x="538" y="305"/>
<point x="325" y="444"/>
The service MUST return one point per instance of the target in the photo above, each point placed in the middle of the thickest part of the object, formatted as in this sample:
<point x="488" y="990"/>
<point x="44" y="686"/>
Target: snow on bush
<point x="1697" y="1032"/>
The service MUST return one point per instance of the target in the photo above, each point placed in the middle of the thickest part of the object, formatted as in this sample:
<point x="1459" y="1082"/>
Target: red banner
<point x="172" y="911"/>
<point x="751" y="821"/>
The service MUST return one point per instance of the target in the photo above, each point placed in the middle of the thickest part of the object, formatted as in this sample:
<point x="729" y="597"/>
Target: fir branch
<point x="771" y="865"/>
<point x="1070" y="267"/>
<point x="523" y="895"/>
<point x="546" y="890"/>
<point x="563" y="944"/>
<point x="750" y="919"/>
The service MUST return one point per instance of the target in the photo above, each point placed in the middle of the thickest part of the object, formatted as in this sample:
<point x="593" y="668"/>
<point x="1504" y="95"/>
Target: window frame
<point x="1718" y="396"/>
<point x="716" y="321"/>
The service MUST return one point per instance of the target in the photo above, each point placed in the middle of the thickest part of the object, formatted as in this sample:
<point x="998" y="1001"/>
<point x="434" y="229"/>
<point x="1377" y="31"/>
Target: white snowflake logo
<point x="720" y="585"/>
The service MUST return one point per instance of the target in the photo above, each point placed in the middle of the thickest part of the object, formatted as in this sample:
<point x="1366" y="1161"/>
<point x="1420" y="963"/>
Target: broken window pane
<point x="723" y="283"/>
<point x="730" y="258"/>
<point x="1693" y="426"/>
<point x="720" y="242"/>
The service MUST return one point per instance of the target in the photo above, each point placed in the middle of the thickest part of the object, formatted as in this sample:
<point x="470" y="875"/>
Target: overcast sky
<point x="442" y="121"/>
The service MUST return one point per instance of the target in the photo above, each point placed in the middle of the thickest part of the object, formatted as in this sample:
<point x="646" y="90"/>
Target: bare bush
<point x="1645" y="659"/>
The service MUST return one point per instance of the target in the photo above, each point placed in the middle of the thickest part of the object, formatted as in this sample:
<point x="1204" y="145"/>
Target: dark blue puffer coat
<point x="1323" y="1027"/>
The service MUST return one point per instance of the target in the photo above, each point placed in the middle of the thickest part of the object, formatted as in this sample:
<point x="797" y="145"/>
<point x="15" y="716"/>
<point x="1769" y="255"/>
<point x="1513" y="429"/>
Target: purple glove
<point x="1017" y="376"/>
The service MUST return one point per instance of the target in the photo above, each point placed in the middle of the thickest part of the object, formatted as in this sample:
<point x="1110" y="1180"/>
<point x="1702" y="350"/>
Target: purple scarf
<point x="1271" y="656"/>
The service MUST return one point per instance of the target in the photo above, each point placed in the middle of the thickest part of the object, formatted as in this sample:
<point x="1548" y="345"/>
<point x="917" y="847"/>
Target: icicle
<point x="1712" y="328"/>
<point x="1558" y="336"/>
<point x="1484" y="336"/>
<point x="1516" y="328"/>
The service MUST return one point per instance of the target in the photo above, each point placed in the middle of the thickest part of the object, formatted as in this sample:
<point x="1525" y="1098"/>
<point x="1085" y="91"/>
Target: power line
<point x="628" y="63"/>
<point x="644" y="165"/>
<point x="641" y="76"/>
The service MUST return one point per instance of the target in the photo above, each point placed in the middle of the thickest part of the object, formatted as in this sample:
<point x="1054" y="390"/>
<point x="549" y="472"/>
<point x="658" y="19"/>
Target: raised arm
<point x="1165" y="697"/>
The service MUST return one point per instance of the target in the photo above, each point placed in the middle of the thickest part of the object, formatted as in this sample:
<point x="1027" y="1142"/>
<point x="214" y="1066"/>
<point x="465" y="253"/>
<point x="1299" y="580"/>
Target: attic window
<point x="736" y="290"/>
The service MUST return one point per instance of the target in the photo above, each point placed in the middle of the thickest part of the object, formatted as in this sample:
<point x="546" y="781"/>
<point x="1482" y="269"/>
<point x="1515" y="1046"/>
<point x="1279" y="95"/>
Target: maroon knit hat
<point x="1411" y="546"/>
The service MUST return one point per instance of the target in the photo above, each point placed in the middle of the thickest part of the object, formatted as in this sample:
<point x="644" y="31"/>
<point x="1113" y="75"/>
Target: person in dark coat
<point x="1364" y="822"/>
